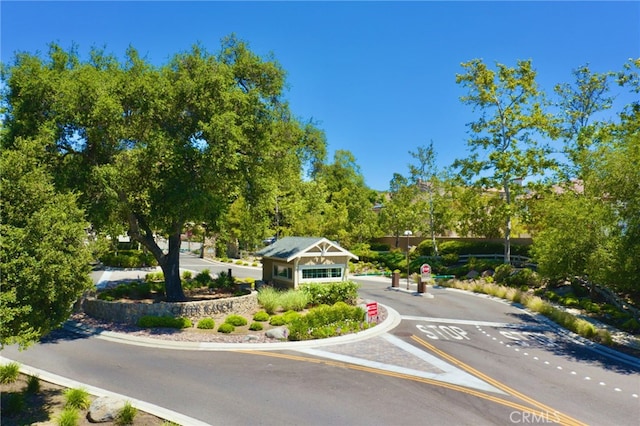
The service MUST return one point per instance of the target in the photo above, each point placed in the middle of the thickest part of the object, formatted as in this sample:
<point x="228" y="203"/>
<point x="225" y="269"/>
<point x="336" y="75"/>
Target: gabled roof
<point x="290" y="248"/>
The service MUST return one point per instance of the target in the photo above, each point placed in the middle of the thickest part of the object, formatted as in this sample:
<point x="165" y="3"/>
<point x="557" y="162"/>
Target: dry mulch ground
<point x="43" y="408"/>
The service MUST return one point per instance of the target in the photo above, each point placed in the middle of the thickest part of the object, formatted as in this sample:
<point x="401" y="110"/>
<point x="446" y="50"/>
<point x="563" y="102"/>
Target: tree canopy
<point x="150" y="148"/>
<point x="44" y="257"/>
<point x="509" y="133"/>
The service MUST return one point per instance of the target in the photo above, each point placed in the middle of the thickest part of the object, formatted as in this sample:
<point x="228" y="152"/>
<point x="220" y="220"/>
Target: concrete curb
<point x="392" y="321"/>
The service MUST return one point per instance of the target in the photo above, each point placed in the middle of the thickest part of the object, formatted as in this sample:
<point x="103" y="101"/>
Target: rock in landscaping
<point x="279" y="333"/>
<point x="250" y="337"/>
<point x="472" y="274"/>
<point x="105" y="409"/>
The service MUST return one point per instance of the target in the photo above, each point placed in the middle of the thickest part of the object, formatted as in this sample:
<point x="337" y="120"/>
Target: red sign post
<point x="372" y="309"/>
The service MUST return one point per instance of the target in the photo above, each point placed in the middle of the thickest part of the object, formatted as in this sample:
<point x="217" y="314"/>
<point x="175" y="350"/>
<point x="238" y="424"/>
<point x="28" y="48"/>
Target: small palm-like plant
<point x="33" y="384"/>
<point x="68" y="417"/>
<point x="13" y="403"/>
<point x="77" y="398"/>
<point x="126" y="415"/>
<point x="9" y="372"/>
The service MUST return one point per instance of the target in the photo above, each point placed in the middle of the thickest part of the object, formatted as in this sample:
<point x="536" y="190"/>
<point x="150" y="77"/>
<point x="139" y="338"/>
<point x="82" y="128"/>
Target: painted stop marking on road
<point x="445" y="332"/>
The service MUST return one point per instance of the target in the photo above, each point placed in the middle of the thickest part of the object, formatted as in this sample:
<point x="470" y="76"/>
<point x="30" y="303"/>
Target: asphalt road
<point x="455" y="359"/>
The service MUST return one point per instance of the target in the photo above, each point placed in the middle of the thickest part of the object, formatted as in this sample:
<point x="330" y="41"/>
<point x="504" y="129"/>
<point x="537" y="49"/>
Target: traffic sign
<point x="372" y="309"/>
<point x="425" y="270"/>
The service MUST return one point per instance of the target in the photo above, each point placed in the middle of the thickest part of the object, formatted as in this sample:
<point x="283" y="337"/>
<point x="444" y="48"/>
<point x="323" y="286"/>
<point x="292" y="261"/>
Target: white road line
<point x="104" y="279"/>
<point x="458" y="321"/>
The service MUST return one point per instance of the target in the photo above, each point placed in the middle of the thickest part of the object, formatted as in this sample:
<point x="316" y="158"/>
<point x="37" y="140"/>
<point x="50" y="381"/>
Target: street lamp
<point x="408" y="234"/>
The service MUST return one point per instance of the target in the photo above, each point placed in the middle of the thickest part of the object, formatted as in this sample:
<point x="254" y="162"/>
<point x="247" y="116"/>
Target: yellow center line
<point x="458" y="388"/>
<point x="565" y="419"/>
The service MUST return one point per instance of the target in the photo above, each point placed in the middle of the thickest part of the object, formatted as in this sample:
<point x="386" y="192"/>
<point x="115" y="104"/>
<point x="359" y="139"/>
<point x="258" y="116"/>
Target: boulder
<point x="105" y="409"/>
<point x="279" y="333"/>
<point x="472" y="275"/>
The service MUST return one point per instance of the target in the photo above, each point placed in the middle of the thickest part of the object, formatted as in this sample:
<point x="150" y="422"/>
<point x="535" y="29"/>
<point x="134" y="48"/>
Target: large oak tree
<point x="152" y="148"/>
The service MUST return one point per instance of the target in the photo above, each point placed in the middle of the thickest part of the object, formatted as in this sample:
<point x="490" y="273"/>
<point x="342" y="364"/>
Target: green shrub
<point x="187" y="275"/>
<point x="394" y="259"/>
<point x="236" y="320"/>
<point x="502" y="273"/>
<point x="150" y="321"/>
<point x="223" y="281"/>
<point x="70" y="416"/>
<point x="570" y="301"/>
<point x="154" y="276"/>
<point x="376" y="246"/>
<point x="206" y="324"/>
<point x="33" y="384"/>
<point x="255" y="326"/>
<point x="450" y="259"/>
<point x="77" y="398"/>
<point x="226" y="328"/>
<point x="269" y="299"/>
<point x="364" y="252"/>
<point x="295" y="300"/>
<point x="261" y="316"/>
<point x="13" y="404"/>
<point x="330" y="293"/>
<point x="9" y="372"/>
<point x="589" y="306"/>
<point x="631" y="325"/>
<point x="277" y="320"/>
<point x="524" y="277"/>
<point x="585" y="328"/>
<point x="126" y="415"/>
<point x="603" y="336"/>
<point x="480" y="247"/>
<point x="204" y="278"/>
<point x="290" y="316"/>
<point x="327" y="321"/>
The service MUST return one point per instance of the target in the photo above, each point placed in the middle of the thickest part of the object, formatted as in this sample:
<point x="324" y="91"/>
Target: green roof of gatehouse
<point x="289" y="248"/>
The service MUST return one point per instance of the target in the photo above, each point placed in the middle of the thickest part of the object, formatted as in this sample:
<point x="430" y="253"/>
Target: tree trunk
<point x="171" y="268"/>
<point x="204" y="240"/>
<point x="507" y="231"/>
<point x="170" y="262"/>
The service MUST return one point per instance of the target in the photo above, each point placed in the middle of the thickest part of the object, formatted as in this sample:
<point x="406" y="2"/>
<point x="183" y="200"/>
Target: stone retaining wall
<point x="130" y="313"/>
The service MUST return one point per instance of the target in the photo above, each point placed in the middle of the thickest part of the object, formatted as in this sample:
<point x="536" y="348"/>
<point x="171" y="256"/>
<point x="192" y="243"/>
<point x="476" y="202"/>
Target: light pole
<point x="408" y="234"/>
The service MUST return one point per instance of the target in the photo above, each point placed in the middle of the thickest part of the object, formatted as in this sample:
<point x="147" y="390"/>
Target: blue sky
<point x="377" y="77"/>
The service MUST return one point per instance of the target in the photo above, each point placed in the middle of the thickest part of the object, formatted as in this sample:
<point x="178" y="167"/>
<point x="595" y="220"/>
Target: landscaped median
<point x="313" y="311"/>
